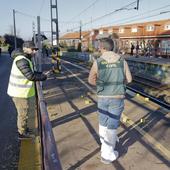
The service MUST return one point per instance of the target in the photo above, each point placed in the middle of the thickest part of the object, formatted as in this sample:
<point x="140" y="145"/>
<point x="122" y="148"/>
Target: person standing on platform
<point x="131" y="49"/>
<point x="110" y="73"/>
<point x="137" y="48"/>
<point x="22" y="90"/>
<point x="56" y="60"/>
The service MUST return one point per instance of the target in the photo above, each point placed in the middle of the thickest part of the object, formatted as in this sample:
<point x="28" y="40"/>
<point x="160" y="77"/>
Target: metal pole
<point x="39" y="32"/>
<point x="54" y="19"/>
<point x="39" y="43"/>
<point x="15" y="38"/>
<point x="80" y="31"/>
<point x="80" y="35"/>
<point x="57" y="34"/>
<point x="34" y="38"/>
<point x="51" y="23"/>
<point x="137" y="7"/>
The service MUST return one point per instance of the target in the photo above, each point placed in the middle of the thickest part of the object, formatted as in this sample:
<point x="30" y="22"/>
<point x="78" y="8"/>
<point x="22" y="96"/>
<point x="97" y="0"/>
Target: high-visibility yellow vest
<point x="19" y="85"/>
<point x="53" y="57"/>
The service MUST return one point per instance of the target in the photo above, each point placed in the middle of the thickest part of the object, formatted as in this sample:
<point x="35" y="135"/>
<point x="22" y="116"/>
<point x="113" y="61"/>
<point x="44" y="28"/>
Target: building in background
<point x="71" y="40"/>
<point x="149" y="38"/>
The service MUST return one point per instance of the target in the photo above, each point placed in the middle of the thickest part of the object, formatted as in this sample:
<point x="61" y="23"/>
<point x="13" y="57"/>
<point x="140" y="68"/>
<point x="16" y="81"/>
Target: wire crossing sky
<point x="91" y="13"/>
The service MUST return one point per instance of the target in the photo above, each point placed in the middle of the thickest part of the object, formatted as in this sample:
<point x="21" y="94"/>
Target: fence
<point x="50" y="156"/>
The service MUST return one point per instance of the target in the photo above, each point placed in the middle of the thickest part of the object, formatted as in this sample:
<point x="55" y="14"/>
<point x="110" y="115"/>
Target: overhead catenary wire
<point x="25" y="14"/>
<point x="44" y="19"/>
<point x="30" y="16"/>
<point x="108" y="14"/>
<point x="115" y="22"/>
<point x="41" y="7"/>
<point x="146" y="17"/>
<point x="154" y="15"/>
<point x="135" y="16"/>
<point x="84" y="10"/>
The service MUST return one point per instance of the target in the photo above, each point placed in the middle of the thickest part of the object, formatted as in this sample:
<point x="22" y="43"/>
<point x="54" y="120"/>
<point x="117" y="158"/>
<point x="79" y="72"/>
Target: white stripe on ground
<point x="84" y="83"/>
<point x="84" y="69"/>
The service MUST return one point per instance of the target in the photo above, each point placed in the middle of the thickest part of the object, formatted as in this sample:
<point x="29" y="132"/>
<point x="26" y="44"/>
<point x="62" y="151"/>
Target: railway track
<point x="133" y="87"/>
<point x="132" y="117"/>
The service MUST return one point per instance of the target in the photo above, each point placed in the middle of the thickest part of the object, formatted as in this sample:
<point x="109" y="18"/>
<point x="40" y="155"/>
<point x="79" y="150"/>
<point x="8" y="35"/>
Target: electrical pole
<point x="80" y="35"/>
<point x="57" y="33"/>
<point x="54" y="19"/>
<point x="15" y="36"/>
<point x="39" y="43"/>
<point x="33" y="30"/>
<point x="80" y="30"/>
<point x="137" y="5"/>
<point x="51" y="22"/>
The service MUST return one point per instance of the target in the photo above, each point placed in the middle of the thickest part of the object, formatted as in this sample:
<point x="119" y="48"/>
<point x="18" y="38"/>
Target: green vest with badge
<point x="110" y="81"/>
<point x="19" y="86"/>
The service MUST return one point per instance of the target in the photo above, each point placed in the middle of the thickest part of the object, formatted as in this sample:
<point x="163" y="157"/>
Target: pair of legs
<point x="56" y="66"/>
<point x="26" y="114"/>
<point x="110" y="110"/>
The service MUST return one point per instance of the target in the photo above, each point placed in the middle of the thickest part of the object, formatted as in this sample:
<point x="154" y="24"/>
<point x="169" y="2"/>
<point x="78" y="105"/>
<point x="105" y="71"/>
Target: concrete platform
<point x="73" y="114"/>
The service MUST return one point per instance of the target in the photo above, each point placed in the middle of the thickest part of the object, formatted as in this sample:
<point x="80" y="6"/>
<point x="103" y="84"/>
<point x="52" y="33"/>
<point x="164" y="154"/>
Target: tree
<point x="9" y="39"/>
<point x="2" y="41"/>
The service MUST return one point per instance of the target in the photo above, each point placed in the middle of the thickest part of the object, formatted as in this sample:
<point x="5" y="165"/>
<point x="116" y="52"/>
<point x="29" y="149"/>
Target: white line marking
<point x="84" y="83"/>
<point x="84" y="69"/>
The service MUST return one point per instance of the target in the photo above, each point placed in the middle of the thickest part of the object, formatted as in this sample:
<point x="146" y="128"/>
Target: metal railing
<point x="49" y="150"/>
<point x="50" y="156"/>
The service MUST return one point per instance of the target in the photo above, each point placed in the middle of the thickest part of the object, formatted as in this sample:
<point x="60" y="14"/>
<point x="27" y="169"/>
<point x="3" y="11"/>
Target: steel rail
<point x="155" y="100"/>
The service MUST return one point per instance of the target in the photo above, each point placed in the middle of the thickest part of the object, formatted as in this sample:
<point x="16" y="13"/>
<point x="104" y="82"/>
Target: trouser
<point x="59" y="65"/>
<point x="25" y="114"/>
<point x="56" y="65"/>
<point x="110" y="110"/>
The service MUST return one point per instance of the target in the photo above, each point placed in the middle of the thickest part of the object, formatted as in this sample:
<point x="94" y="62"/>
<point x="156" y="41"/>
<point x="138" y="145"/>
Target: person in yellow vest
<point x="22" y="90"/>
<point x="56" y="61"/>
<point x="59" y="60"/>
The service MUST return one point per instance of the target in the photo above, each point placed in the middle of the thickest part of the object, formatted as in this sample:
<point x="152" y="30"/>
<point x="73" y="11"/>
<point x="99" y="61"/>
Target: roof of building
<point x="115" y="28"/>
<point x="75" y="35"/>
<point x="158" y="22"/>
<point x="146" y="23"/>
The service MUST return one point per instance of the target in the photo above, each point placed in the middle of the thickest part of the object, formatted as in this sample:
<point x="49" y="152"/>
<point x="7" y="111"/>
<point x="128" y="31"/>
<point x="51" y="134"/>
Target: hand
<point x="48" y="72"/>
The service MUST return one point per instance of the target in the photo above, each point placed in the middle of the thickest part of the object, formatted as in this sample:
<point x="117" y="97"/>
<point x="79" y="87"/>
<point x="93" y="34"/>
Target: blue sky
<point x="70" y="11"/>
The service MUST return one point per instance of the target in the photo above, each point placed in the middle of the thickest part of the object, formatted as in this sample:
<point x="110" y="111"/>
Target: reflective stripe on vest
<point x="110" y="81"/>
<point x="19" y="85"/>
<point x="18" y="77"/>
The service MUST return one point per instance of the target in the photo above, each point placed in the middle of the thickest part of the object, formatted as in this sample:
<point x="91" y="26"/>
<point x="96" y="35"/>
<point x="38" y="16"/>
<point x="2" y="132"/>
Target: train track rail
<point x="145" y="95"/>
<point x="153" y="99"/>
